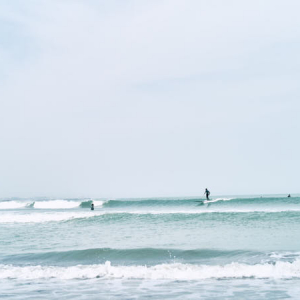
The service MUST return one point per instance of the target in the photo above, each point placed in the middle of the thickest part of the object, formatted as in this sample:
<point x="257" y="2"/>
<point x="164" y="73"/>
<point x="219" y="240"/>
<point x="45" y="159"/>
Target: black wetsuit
<point x="207" y="194"/>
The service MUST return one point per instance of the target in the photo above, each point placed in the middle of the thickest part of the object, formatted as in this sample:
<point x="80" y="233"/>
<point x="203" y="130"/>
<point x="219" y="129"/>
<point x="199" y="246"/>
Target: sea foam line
<point x="34" y="217"/>
<point x="49" y="204"/>
<point x="14" y="204"/>
<point x="45" y="217"/>
<point x="217" y="200"/>
<point x="175" y="271"/>
<point x="56" y="204"/>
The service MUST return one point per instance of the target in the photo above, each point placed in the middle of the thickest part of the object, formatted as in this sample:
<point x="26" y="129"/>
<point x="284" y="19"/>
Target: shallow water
<point x="226" y="248"/>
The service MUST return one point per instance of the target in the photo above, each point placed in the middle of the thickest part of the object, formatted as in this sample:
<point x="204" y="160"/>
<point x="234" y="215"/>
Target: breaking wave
<point x="251" y="204"/>
<point x="49" y="204"/>
<point x="45" y="217"/>
<point x="36" y="217"/>
<point x="175" y="271"/>
<point x="15" y="204"/>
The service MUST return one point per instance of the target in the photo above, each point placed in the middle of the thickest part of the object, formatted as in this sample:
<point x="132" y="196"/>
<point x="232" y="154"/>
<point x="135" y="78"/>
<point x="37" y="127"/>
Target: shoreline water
<point x="138" y="248"/>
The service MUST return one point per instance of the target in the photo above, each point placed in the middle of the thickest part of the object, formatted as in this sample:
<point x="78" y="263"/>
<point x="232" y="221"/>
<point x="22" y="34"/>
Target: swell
<point x="151" y="202"/>
<point x="216" y="201"/>
<point x="148" y="256"/>
<point x="172" y="271"/>
<point x="175" y="215"/>
<point x="258" y="202"/>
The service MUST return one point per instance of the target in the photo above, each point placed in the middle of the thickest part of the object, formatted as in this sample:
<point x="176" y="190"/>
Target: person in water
<point x="207" y="193"/>
<point x="289" y="195"/>
<point x="92" y="206"/>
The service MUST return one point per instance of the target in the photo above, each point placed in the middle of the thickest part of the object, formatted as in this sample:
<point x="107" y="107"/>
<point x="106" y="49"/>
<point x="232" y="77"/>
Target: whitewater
<point x="229" y="247"/>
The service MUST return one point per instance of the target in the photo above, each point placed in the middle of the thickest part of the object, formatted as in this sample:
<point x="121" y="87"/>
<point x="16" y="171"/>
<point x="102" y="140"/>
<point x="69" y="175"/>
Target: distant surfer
<point x="207" y="193"/>
<point x="92" y="206"/>
<point x="289" y="195"/>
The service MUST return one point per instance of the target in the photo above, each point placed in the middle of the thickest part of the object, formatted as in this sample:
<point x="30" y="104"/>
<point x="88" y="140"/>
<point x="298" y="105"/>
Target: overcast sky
<point x="122" y="98"/>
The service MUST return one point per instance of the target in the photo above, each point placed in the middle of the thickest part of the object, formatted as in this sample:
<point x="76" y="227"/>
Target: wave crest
<point x="45" y="217"/>
<point x="49" y="204"/>
<point x="175" y="271"/>
<point x="15" y="204"/>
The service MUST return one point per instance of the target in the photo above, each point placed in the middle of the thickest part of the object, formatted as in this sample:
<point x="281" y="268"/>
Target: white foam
<point x="14" y="204"/>
<point x="42" y="217"/>
<point x="45" y="217"/>
<point x="176" y="271"/>
<point x="49" y="204"/>
<point x="98" y="203"/>
<point x="217" y="200"/>
<point x="284" y="255"/>
<point x="200" y="211"/>
<point x="56" y="204"/>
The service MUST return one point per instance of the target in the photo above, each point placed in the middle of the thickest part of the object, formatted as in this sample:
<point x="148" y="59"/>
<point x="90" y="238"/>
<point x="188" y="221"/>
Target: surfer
<point x="92" y="206"/>
<point x="207" y="193"/>
<point x="289" y="195"/>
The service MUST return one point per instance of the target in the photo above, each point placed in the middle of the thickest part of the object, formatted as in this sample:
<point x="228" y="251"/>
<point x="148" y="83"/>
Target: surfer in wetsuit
<point x="289" y="195"/>
<point x="92" y="206"/>
<point x="207" y="193"/>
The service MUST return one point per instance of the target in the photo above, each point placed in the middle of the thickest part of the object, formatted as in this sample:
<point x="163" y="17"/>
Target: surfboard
<point x="200" y="202"/>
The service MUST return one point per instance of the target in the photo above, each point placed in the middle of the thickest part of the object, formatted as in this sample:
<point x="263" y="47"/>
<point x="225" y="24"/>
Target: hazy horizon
<point x="219" y="196"/>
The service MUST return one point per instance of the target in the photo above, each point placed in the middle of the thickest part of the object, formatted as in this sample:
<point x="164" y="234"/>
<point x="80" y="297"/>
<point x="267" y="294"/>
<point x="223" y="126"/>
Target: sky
<point x="128" y="98"/>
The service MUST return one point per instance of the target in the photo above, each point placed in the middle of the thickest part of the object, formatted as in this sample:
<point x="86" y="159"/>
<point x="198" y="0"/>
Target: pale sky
<point x="149" y="98"/>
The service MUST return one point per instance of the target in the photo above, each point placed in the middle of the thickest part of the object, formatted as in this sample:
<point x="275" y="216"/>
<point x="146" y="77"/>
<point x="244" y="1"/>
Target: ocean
<point x="231" y="247"/>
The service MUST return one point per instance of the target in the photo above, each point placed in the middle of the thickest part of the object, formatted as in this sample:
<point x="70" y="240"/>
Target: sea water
<point x="159" y="248"/>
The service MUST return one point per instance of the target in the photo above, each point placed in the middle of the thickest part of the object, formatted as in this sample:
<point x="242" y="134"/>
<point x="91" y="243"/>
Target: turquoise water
<point x="172" y="248"/>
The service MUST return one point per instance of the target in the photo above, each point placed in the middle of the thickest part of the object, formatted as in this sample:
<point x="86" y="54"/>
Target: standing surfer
<point x="207" y="193"/>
